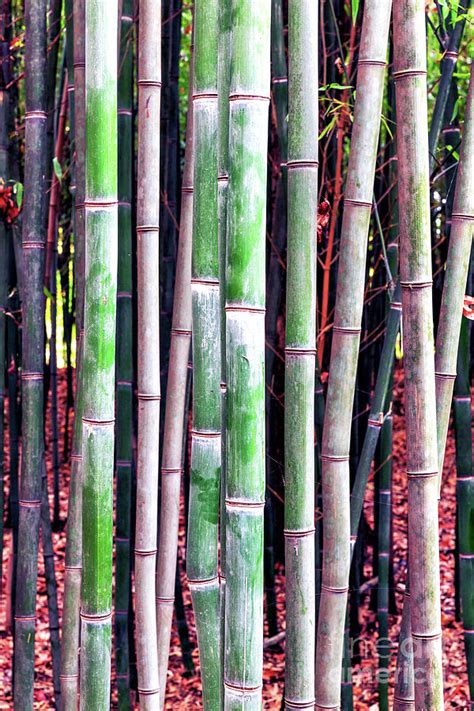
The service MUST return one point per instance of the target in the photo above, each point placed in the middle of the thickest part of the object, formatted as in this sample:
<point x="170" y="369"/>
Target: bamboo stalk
<point x="300" y="353"/>
<point x="245" y="353"/>
<point x="33" y="241"/>
<point x="465" y="497"/>
<point x="124" y="394"/>
<point x="404" y="694"/>
<point x="98" y="376"/>
<point x="175" y="417"/>
<point x="202" y="543"/>
<point x="345" y="344"/>
<point x="457" y="266"/>
<point x="149" y="395"/>
<point x="416" y="281"/>
<point x="73" y="563"/>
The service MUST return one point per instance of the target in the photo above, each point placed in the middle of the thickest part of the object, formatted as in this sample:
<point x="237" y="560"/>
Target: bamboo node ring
<point x="184" y="332"/>
<point x="206" y="434"/>
<point x="291" y="351"/>
<point x="171" y="470"/>
<point x="33" y="245"/>
<point x="249" y="97"/>
<point x="96" y="619"/>
<point x="76" y="457"/>
<point x="207" y="581"/>
<point x="25" y="618"/>
<point x="205" y="95"/>
<point x="279" y="80"/>
<point x="148" y="692"/>
<point x="100" y="204"/>
<point x="187" y="189"/>
<point x="396" y="305"/>
<point x="349" y="330"/>
<point x="147" y="228"/>
<point x="445" y="376"/>
<point x="30" y="504"/>
<point x="149" y="396"/>
<point x="145" y="553"/>
<point x="97" y="423"/>
<point x="242" y="689"/>
<point x="165" y="600"/>
<point x="408" y="73"/>
<point x="245" y="308"/>
<point x="416" y="284"/>
<point x="335" y="457"/>
<point x="301" y="164"/>
<point x="239" y="504"/>
<point x="36" y="115"/>
<point x="427" y="474"/>
<point x="290" y="533"/>
<point x="372" y="63"/>
<point x="32" y="376"/>
<point x="462" y="217"/>
<point x="451" y="55"/>
<point x="149" y="82"/>
<point x="289" y="704"/>
<point x="426" y="635"/>
<point x="332" y="589"/>
<point x="358" y="203"/>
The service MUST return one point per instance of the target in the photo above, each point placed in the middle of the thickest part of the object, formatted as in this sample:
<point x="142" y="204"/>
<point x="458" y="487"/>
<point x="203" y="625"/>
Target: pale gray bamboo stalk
<point x="344" y="353"/>
<point x="172" y="459"/>
<point x="457" y="267"/>
<point x="148" y="376"/>
<point x="418" y="349"/>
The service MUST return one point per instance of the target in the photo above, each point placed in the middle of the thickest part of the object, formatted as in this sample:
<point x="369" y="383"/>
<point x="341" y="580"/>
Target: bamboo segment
<point x="418" y="344"/>
<point x="124" y="395"/>
<point x="300" y="353"/>
<point x="149" y="393"/>
<point x="33" y="241"/>
<point x="457" y="265"/>
<point x="344" y="353"/>
<point x="202" y="550"/>
<point x="98" y="376"/>
<point x="465" y="497"/>
<point x="175" y="415"/>
<point x="404" y="696"/>
<point x="245" y="353"/>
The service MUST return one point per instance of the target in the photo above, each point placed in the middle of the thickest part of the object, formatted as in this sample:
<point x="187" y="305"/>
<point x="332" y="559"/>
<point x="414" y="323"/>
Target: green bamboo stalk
<point x="404" y="694"/>
<point x="245" y="352"/>
<point x="416" y="281"/>
<point x="223" y="79"/>
<point x="465" y="497"/>
<point x="33" y="240"/>
<point x="175" y="416"/>
<point x="149" y="96"/>
<point x="124" y="394"/>
<point x="73" y="564"/>
<point x="98" y="377"/>
<point x="457" y="266"/>
<point x="345" y="345"/>
<point x="202" y="544"/>
<point x="300" y="352"/>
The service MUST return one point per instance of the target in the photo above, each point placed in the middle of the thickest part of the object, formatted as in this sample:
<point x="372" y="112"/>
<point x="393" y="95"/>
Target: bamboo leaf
<point x="355" y="10"/>
<point x="57" y="169"/>
<point x="18" y="193"/>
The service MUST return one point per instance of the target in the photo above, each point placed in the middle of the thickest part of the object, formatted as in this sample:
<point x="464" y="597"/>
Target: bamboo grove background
<point x="235" y="286"/>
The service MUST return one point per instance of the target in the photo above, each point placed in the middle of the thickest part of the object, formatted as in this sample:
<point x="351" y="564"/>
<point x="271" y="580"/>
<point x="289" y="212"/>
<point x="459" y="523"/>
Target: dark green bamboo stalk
<point x="300" y="353"/>
<point x="447" y="70"/>
<point x="4" y="250"/>
<point x="245" y="352"/>
<point x="124" y="395"/>
<point x="33" y="350"/>
<point x="149" y="394"/>
<point x="457" y="265"/>
<point x="345" y="345"/>
<point x="465" y="497"/>
<point x="98" y="376"/>
<point x="420" y="410"/>
<point x="404" y="695"/>
<point x="202" y="544"/>
<point x="175" y="416"/>
<point x="73" y="563"/>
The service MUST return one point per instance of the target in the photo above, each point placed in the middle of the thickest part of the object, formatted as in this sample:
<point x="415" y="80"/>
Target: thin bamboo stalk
<point x="404" y="694"/>
<point x="420" y="411"/>
<point x="245" y="352"/>
<point x="202" y="543"/>
<point x="124" y="395"/>
<point x="465" y="497"/>
<point x="149" y="395"/>
<point x="33" y="241"/>
<point x="175" y="416"/>
<point x="73" y="564"/>
<point x="457" y="266"/>
<point x="345" y="344"/>
<point x="98" y="376"/>
<point x="300" y="352"/>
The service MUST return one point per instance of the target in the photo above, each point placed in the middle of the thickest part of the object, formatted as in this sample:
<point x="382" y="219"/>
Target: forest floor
<point x="183" y="689"/>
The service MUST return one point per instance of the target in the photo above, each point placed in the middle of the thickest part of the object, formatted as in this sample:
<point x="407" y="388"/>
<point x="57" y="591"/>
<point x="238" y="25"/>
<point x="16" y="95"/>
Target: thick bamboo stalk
<point x="465" y="498"/>
<point x="98" y="376"/>
<point x="345" y="344"/>
<point x="149" y="394"/>
<point x="245" y="352"/>
<point x="418" y="344"/>
<point x="202" y="544"/>
<point x="73" y="564"/>
<point x="457" y="266"/>
<point x="300" y="352"/>
<point x="124" y="395"/>
<point x="33" y="240"/>
<point x="175" y="417"/>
